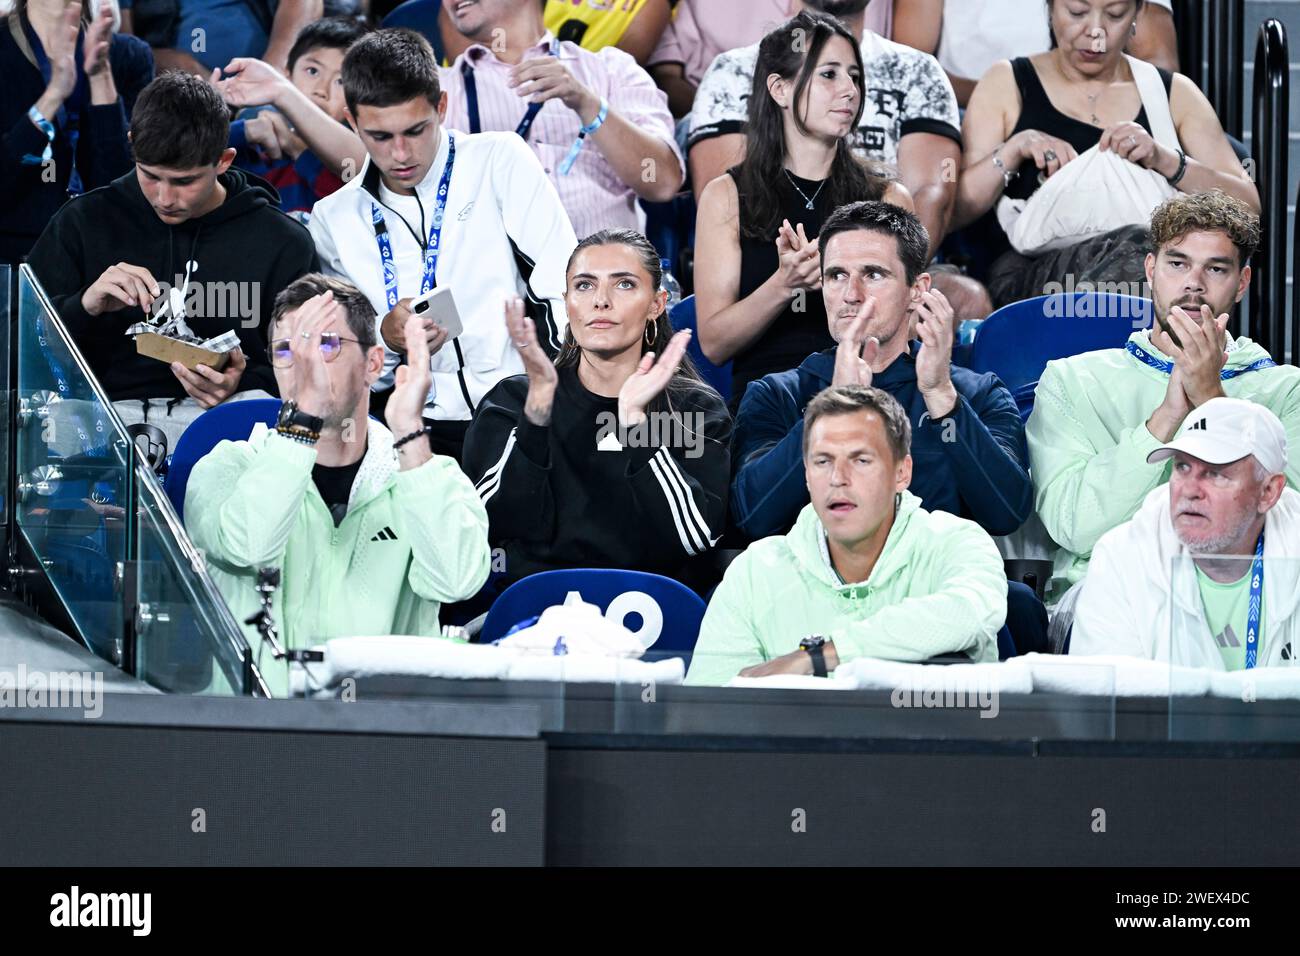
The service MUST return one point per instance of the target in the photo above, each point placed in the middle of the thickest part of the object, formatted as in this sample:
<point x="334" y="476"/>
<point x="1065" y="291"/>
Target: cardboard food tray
<point x="170" y="350"/>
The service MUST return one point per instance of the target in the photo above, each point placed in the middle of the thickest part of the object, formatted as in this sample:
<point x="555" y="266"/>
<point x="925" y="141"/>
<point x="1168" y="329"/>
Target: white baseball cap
<point x="1224" y="430"/>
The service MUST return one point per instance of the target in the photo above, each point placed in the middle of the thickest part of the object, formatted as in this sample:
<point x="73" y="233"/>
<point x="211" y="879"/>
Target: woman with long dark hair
<point x="69" y="86"/>
<point x="757" y="267"/>
<point x="615" y="455"/>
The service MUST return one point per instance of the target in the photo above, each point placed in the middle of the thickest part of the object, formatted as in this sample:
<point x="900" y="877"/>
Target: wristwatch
<point x="815" y="645"/>
<point x="293" y="423"/>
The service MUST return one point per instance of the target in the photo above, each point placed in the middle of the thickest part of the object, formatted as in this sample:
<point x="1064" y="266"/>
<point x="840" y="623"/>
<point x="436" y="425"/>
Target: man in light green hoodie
<point x="1097" y="416"/>
<point x="370" y="529"/>
<point x="864" y="572"/>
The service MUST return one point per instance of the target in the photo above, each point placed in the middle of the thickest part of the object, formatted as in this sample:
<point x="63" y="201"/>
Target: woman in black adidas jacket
<point x="616" y="455"/>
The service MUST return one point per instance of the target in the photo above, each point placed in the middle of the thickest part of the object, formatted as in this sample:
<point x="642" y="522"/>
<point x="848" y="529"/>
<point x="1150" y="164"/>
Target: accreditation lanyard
<point x="1163" y="365"/>
<point x="1253" y="606"/>
<point x="430" y="277"/>
<point x="69" y="115"/>
<point x="471" y="98"/>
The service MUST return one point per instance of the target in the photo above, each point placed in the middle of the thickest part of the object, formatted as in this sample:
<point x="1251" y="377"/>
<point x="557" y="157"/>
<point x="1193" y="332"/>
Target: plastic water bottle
<point x="670" y="285"/>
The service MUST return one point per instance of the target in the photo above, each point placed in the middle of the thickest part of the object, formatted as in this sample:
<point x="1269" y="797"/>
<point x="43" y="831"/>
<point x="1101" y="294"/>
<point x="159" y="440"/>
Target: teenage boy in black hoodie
<point x="182" y="220"/>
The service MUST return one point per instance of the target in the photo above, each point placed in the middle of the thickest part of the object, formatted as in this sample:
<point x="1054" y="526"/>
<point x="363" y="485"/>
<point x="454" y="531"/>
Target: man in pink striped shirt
<point x="605" y="140"/>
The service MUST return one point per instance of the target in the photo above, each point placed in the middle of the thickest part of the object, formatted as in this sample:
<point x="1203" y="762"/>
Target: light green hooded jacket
<point x="1088" y="440"/>
<point x="938" y="587"/>
<point x="410" y="541"/>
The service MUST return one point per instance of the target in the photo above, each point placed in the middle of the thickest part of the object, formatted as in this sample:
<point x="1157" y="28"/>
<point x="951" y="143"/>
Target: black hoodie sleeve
<point x="509" y="460"/>
<point x="58" y="259"/>
<point x="296" y="259"/>
<point x="680" y="488"/>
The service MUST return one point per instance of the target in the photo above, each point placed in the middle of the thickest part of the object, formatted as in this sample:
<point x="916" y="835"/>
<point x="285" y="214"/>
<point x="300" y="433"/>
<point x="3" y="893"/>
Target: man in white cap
<point x="1204" y="574"/>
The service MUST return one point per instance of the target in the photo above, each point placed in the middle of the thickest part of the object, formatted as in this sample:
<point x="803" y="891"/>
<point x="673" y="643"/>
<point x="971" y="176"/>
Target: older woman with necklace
<point x="1031" y="116"/>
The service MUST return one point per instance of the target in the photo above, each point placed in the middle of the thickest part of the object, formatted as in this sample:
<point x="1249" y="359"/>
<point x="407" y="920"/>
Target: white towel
<point x="867" y="673"/>
<point x="398" y="656"/>
<point x="589" y="669"/>
<point x="402" y="656"/>
<point x="582" y="627"/>
<point x="1258" y="683"/>
<point x="1114" y="674"/>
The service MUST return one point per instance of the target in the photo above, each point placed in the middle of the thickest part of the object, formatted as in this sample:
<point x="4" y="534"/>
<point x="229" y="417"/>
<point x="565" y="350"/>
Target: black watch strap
<point x="818" y="654"/>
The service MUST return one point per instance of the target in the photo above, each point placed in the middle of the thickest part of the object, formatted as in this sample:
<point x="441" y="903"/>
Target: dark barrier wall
<point x="1061" y="807"/>
<point x="83" y="793"/>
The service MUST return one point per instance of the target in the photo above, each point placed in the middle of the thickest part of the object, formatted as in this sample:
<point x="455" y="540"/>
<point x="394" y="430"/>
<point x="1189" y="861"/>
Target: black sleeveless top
<point x="792" y="336"/>
<point x="1037" y="112"/>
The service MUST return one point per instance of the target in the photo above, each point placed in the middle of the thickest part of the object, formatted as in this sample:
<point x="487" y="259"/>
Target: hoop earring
<point x="651" y="332"/>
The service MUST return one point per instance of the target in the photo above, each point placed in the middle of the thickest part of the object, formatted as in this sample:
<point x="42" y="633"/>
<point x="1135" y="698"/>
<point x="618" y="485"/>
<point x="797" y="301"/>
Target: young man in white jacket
<point x="435" y="208"/>
<point x="1206" y="573"/>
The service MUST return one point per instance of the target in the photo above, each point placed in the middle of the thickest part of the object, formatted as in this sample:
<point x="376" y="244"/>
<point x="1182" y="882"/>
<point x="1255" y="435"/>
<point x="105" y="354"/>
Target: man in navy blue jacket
<point x="968" y="443"/>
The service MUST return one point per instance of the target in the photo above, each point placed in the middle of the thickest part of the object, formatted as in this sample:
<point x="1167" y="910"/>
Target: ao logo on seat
<point x="627" y="603"/>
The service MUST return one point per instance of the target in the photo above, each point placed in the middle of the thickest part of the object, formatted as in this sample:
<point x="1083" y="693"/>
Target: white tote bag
<point x="1098" y="191"/>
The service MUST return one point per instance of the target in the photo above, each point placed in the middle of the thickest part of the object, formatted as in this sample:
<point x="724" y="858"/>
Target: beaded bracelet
<point x="397" y="445"/>
<point x="301" y="437"/>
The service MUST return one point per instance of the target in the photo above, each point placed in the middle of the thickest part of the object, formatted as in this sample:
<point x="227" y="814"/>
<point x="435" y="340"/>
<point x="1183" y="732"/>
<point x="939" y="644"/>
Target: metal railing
<point x="1211" y="38"/>
<point x="1226" y="43"/>
<point x="1269" y="150"/>
<point x="1189" y="22"/>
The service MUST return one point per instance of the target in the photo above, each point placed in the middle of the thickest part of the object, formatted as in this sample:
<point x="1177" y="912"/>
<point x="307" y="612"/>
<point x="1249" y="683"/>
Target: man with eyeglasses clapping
<point x="372" y="532"/>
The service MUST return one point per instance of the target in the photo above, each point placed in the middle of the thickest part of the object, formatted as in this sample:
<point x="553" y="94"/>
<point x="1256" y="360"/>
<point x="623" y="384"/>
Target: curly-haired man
<point x="1097" y="416"/>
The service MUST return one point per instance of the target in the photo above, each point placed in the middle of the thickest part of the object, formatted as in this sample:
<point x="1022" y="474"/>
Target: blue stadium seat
<point x="681" y="608"/>
<point x="1018" y="340"/>
<point x="233" y="421"/>
<point x="670" y="227"/>
<point x="422" y="17"/>
<point x="719" y="376"/>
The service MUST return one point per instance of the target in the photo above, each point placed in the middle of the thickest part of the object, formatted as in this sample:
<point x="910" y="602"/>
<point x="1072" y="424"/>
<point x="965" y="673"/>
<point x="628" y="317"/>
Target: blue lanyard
<point x="471" y="98"/>
<point x="1254" y="606"/>
<point x="1162" y="365"/>
<point x="430" y="277"/>
<point x="69" y="115"/>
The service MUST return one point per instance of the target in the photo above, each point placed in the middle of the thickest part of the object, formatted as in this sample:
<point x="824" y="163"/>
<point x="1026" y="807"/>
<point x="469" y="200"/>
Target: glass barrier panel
<point x="74" y="475"/>
<point x="1231" y="672"/>
<point x="187" y="641"/>
<point x="7" y="298"/>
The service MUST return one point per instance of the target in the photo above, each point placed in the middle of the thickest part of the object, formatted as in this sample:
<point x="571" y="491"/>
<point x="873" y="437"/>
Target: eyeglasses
<point x="331" y="344"/>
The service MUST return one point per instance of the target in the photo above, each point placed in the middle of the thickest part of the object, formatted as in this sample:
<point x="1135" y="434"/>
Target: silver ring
<point x="306" y="334"/>
<point x="1131" y="141"/>
<point x="1049" y="156"/>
